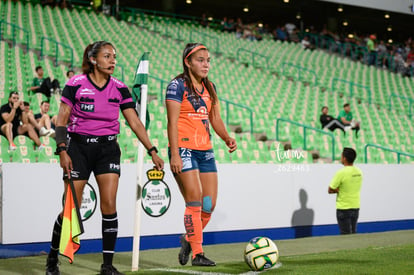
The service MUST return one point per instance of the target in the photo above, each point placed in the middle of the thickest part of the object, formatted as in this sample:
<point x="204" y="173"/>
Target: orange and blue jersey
<point x="193" y="121"/>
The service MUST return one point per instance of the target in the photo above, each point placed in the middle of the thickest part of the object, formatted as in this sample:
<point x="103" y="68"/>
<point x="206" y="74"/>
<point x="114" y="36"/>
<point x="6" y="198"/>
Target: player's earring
<point x="93" y="62"/>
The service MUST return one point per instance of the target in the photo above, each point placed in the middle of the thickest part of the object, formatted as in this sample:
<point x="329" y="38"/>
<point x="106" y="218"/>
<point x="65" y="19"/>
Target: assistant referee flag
<point x="141" y="78"/>
<point x="72" y="225"/>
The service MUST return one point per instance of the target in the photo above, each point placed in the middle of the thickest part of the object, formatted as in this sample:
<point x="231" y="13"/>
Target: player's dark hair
<point x="13" y="93"/>
<point x="349" y="154"/>
<point x="38" y="68"/>
<point x="324" y="108"/>
<point x="186" y="74"/>
<point x="346" y="105"/>
<point x="92" y="50"/>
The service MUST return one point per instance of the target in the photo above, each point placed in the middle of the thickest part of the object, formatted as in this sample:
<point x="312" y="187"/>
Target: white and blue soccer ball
<point x="261" y="253"/>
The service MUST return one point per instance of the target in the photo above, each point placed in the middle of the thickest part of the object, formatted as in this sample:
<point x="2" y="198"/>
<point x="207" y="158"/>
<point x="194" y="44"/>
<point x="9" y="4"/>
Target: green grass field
<point x="376" y="253"/>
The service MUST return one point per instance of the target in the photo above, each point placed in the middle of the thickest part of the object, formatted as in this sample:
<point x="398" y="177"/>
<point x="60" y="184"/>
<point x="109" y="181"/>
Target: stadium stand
<point x="273" y="79"/>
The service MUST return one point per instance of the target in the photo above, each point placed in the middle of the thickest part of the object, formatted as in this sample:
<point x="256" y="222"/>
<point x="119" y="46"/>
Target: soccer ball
<point x="261" y="253"/>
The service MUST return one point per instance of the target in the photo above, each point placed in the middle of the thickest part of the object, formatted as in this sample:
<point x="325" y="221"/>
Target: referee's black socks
<point x="57" y="229"/>
<point x="109" y="234"/>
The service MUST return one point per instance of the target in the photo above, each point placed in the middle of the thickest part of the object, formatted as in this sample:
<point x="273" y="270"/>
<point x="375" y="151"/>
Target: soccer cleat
<point x="201" y="260"/>
<point x="52" y="266"/>
<point x="51" y="133"/>
<point x="109" y="270"/>
<point x="41" y="147"/>
<point x="184" y="254"/>
<point x="12" y="147"/>
<point x="43" y="131"/>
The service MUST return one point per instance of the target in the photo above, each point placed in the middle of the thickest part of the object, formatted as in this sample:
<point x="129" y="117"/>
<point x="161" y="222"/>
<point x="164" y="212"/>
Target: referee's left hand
<point x="158" y="162"/>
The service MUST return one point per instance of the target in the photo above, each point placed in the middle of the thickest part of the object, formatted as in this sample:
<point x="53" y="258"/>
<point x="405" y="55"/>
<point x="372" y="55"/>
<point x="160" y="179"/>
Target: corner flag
<point x="140" y="91"/>
<point x="72" y="225"/>
<point x="141" y="79"/>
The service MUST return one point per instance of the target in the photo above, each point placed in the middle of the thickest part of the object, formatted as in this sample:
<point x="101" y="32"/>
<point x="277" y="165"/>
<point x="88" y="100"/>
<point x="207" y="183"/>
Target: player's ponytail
<point x="189" y="50"/>
<point x="92" y="51"/>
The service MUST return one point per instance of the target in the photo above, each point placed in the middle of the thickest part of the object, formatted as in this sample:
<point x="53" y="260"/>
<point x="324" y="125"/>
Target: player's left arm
<point x="333" y="191"/>
<point x="219" y="127"/>
<point x="335" y="183"/>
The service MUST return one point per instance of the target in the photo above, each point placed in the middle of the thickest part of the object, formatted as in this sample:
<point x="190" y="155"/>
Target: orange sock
<point x="194" y="229"/>
<point x="205" y="218"/>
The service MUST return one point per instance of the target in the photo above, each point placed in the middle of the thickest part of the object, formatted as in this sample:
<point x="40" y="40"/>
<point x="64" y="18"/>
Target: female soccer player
<point x="86" y="132"/>
<point x="192" y="105"/>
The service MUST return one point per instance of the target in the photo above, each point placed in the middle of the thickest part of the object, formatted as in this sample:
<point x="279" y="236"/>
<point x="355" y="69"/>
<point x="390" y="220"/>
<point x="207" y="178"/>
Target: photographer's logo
<point x="289" y="154"/>
<point x="291" y="160"/>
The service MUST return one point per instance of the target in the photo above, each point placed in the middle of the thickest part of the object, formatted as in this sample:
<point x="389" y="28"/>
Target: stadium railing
<point x="305" y="128"/>
<point x="253" y="56"/>
<point x="14" y="29"/>
<point x="202" y="36"/>
<point x="352" y="85"/>
<point x="57" y="44"/>
<point x="162" y="82"/>
<point x="409" y="99"/>
<point x="399" y="153"/>
<point x="300" y="72"/>
<point x="228" y="103"/>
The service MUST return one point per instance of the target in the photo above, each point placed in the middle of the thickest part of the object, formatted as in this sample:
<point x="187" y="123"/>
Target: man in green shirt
<point x="44" y="85"/>
<point x="372" y="59"/>
<point x="346" y="118"/>
<point x="346" y="184"/>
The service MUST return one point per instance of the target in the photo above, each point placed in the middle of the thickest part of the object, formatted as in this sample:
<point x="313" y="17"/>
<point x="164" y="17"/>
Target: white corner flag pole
<point x="141" y="73"/>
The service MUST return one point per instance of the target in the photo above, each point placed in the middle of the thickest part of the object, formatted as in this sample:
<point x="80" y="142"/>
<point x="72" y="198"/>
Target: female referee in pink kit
<point x="192" y="105"/>
<point x="86" y="132"/>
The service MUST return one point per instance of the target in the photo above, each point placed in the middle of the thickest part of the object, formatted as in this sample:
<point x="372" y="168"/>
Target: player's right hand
<point x="66" y="163"/>
<point x="176" y="164"/>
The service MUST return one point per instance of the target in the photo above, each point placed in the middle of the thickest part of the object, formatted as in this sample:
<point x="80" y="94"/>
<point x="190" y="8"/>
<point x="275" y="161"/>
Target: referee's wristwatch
<point x="59" y="149"/>
<point x="153" y="148"/>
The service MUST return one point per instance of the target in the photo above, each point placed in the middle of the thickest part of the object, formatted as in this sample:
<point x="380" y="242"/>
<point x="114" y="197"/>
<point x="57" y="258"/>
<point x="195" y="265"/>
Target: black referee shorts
<point x="100" y="155"/>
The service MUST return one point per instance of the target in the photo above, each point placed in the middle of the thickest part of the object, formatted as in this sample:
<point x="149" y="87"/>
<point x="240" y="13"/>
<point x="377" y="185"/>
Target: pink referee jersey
<point x="95" y="111"/>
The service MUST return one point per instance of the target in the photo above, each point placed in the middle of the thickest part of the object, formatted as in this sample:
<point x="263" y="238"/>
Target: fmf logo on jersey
<point x="156" y="196"/>
<point x="87" y="107"/>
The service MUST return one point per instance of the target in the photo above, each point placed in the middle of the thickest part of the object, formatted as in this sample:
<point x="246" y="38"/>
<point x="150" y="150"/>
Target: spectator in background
<point x="329" y="122"/>
<point x="306" y="44"/>
<point x="290" y="28"/>
<point x="40" y="127"/>
<point x="346" y="184"/>
<point x="44" y="85"/>
<point x="372" y="60"/>
<point x="204" y="20"/>
<point x="227" y="25"/>
<point x="280" y="34"/>
<point x="70" y="74"/>
<point x="46" y="120"/>
<point x="14" y="121"/>
<point x="410" y="63"/>
<point x="346" y="118"/>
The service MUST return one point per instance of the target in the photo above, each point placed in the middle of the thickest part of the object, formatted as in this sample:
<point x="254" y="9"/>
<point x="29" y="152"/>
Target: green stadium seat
<point x="47" y="155"/>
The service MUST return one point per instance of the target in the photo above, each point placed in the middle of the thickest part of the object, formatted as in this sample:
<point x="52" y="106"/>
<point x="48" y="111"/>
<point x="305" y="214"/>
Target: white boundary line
<point x="193" y="272"/>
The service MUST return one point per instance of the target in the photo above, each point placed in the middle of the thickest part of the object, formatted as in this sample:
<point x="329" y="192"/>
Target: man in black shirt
<point x="14" y="121"/>
<point x="329" y="122"/>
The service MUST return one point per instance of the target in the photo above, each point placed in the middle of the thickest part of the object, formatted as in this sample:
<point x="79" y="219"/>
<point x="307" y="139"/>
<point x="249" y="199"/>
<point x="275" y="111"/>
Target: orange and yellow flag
<point x="72" y="225"/>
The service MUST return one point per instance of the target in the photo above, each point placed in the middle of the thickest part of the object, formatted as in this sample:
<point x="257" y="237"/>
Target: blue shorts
<point x="197" y="160"/>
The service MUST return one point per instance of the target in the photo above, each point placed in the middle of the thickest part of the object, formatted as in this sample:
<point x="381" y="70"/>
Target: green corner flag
<point x="141" y="79"/>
